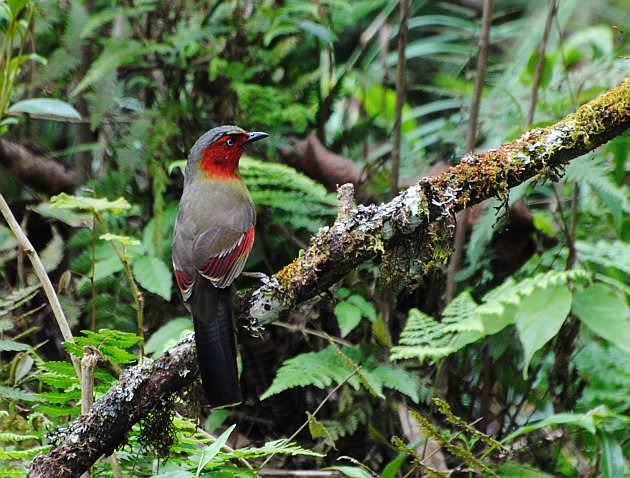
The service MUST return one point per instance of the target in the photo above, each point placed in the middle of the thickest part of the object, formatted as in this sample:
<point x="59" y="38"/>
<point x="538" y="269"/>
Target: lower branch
<point x="100" y="431"/>
<point x="42" y="174"/>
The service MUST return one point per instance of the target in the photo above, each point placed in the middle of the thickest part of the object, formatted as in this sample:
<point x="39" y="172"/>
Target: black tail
<point x="216" y="343"/>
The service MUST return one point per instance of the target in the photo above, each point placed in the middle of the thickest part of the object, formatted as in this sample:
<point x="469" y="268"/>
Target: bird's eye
<point x="229" y="142"/>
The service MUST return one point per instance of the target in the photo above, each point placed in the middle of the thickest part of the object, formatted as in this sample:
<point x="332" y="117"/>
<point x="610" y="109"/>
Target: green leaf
<point x="175" y="474"/>
<point x="45" y="106"/>
<point x="516" y="470"/>
<point x="216" y="419"/>
<point x="112" y="56"/>
<point x="24" y="454"/>
<point x="23" y="366"/>
<point x="98" y="19"/>
<point x="348" y="317"/>
<point x="66" y="201"/>
<point x="367" y="308"/>
<point x="393" y="466"/>
<point x="167" y="335"/>
<point x="154" y="275"/>
<point x="211" y="451"/>
<point x="601" y="309"/>
<point x="178" y="164"/>
<point x="539" y="318"/>
<point x="15" y="437"/>
<point x="11" y="346"/>
<point x="352" y="471"/>
<point x="16" y="6"/>
<point x="319" y="31"/>
<point x="547" y="69"/>
<point x="124" y="240"/>
<point x="17" y="394"/>
<point x="316" y="428"/>
<point x="583" y="420"/>
<point x="320" y="369"/>
<point x="395" y="378"/>
<point x="52" y="255"/>
<point x="612" y="464"/>
<point x="72" y="218"/>
<point x="107" y="267"/>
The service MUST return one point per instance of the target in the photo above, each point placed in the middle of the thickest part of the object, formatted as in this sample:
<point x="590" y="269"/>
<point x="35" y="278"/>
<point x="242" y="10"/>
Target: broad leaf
<point x="107" y="267"/>
<point x="352" y="471"/>
<point x="601" y="309"/>
<point x="539" y="318"/>
<point x="613" y="463"/>
<point x="66" y="201"/>
<point x="348" y="317"/>
<point x="45" y="106"/>
<point x="581" y="419"/>
<point x="124" y="240"/>
<point x="167" y="335"/>
<point x="12" y="346"/>
<point x="154" y="275"/>
<point x="211" y="451"/>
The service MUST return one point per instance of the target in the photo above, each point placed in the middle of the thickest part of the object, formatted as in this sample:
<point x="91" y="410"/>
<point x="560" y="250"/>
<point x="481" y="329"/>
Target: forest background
<point x="510" y="360"/>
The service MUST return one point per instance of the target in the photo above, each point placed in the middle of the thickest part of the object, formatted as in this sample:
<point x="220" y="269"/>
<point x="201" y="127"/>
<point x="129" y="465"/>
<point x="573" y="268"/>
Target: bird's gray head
<point x="210" y="137"/>
<point x="217" y="152"/>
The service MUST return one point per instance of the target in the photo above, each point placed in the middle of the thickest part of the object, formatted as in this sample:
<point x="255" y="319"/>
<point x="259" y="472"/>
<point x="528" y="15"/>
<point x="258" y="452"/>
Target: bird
<point x="212" y="238"/>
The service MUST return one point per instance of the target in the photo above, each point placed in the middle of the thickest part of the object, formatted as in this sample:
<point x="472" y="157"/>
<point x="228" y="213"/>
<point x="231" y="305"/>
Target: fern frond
<point x="347" y="421"/>
<point x="454" y="420"/>
<point x="396" y="378"/>
<point x="461" y="313"/>
<point x="13" y="346"/>
<point x="24" y="454"/>
<point x="596" y="174"/>
<point x="454" y="449"/>
<point x="466" y="322"/>
<point x="426" y="470"/>
<point x="17" y="298"/>
<point x="320" y="369"/>
<point x="16" y="438"/>
<point x="373" y="387"/>
<point x="55" y="411"/>
<point x="614" y="254"/>
<point x="295" y="198"/>
<point x="276" y="447"/>
<point x="423" y="337"/>
<point x="15" y="394"/>
<point x="62" y="368"/>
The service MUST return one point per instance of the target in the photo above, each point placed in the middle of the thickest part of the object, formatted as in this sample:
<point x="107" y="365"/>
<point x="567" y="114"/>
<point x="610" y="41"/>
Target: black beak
<point x="255" y="136"/>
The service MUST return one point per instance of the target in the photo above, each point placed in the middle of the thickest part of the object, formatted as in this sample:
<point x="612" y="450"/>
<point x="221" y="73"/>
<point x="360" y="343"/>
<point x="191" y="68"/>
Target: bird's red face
<point x="220" y="159"/>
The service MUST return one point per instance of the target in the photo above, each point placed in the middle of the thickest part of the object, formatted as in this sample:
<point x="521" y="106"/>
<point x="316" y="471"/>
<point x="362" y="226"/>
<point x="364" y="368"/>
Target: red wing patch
<point x="224" y="268"/>
<point x="183" y="282"/>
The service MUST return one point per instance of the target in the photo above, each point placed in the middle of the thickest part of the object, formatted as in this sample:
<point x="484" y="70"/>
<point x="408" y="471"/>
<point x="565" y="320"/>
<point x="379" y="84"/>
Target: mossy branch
<point x="430" y="206"/>
<point x="426" y="210"/>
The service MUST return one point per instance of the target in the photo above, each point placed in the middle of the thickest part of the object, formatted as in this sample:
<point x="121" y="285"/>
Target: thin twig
<point x="88" y="365"/>
<point x="135" y="290"/>
<point x="38" y="267"/>
<point x="471" y="134"/>
<point x="542" y="47"/>
<point x="315" y="333"/>
<point x="400" y="98"/>
<point x="315" y="412"/>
